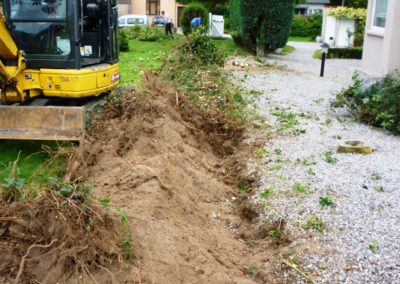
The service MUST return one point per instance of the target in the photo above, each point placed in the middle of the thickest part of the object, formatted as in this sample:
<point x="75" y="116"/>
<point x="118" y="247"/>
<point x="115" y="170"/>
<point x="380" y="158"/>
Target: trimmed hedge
<point x="192" y="11"/>
<point x="345" y="53"/>
<point x="262" y="24"/>
<point x="307" y="26"/>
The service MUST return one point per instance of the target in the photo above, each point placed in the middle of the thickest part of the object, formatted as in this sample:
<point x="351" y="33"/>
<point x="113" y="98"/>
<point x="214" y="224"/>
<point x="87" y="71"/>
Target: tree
<point x="210" y="4"/>
<point x="262" y="24"/>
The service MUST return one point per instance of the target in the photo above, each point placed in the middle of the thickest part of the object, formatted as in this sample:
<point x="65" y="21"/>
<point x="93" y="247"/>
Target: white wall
<point x="382" y="50"/>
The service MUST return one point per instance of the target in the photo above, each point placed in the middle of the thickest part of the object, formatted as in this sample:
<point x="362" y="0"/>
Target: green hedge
<point x="123" y="39"/>
<point x="264" y="24"/>
<point x="191" y="11"/>
<point x="345" y="53"/>
<point x="307" y="26"/>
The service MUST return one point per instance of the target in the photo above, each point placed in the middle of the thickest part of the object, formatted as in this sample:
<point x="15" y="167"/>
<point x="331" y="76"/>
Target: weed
<point x="277" y="167"/>
<point x="286" y="120"/>
<point x="298" y="132"/>
<point x="127" y="243"/>
<point x="374" y="247"/>
<point x="275" y="233"/>
<point x="379" y="188"/>
<point x="105" y="201"/>
<point x="314" y="223"/>
<point x="328" y="121"/>
<point x="242" y="189"/>
<point x="278" y="151"/>
<point x="307" y="162"/>
<point x="266" y="193"/>
<point x="325" y="201"/>
<point x="301" y="188"/>
<point x="13" y="189"/>
<point x="318" y="101"/>
<point x="311" y="172"/>
<point x="260" y="153"/>
<point x="252" y="271"/>
<point x="376" y="176"/>
<point x="329" y="158"/>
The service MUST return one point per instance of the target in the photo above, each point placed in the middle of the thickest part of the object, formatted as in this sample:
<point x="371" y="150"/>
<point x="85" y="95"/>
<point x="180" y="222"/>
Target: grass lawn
<point x="32" y="161"/>
<point x="142" y="55"/>
<point x="287" y="50"/>
<point x="301" y="39"/>
<point x="230" y="48"/>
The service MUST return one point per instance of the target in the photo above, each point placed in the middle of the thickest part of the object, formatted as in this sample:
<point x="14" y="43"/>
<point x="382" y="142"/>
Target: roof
<point x="327" y="2"/>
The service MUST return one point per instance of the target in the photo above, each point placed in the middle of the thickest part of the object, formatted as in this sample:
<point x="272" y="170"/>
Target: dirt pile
<point x="170" y="167"/>
<point x="52" y="239"/>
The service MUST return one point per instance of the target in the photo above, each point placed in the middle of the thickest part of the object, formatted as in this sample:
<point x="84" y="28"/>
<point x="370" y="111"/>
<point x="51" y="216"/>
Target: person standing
<point x="167" y="23"/>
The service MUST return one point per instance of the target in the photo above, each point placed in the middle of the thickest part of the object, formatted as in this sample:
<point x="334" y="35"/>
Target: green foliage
<point x="307" y="26"/>
<point x="192" y="11"/>
<point x="347" y="13"/>
<point x="266" y="193"/>
<point x="314" y="223"/>
<point x="374" y="247"/>
<point x="151" y="34"/>
<point x="341" y="53"/>
<point x="13" y="189"/>
<point x="199" y="48"/>
<point x="260" y="153"/>
<point x="378" y="105"/>
<point x="123" y="39"/>
<point x="134" y="31"/>
<point x="329" y="158"/>
<point x="301" y="188"/>
<point x="325" y="201"/>
<point x="260" y="24"/>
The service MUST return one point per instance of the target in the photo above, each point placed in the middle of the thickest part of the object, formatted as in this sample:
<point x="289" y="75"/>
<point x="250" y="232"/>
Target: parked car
<point x="158" y="21"/>
<point x="132" y="20"/>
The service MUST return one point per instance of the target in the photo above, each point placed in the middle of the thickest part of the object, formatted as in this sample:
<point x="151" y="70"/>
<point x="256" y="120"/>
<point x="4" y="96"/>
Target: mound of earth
<point x="170" y="167"/>
<point x="52" y="239"/>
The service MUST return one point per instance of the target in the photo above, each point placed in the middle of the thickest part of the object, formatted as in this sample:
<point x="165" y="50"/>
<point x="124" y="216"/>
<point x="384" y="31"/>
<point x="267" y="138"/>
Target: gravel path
<point x="361" y="239"/>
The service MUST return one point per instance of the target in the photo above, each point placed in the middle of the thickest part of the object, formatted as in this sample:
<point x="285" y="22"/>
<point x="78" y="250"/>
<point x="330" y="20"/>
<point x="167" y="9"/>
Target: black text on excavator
<point x="64" y="50"/>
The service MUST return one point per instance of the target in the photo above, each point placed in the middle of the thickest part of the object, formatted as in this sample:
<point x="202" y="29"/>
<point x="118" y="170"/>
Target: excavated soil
<point x="175" y="170"/>
<point x="52" y="239"/>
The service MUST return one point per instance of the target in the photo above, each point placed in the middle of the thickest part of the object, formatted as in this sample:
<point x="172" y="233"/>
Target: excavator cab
<point x="54" y="50"/>
<point x="64" y="34"/>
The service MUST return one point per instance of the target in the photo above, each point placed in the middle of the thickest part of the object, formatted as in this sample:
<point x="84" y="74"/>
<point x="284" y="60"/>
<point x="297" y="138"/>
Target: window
<point x="33" y="9"/>
<point x="40" y="28"/>
<point x="153" y="7"/>
<point x="379" y="15"/>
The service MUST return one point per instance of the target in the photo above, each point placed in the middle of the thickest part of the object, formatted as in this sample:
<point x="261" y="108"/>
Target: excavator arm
<point x="9" y="51"/>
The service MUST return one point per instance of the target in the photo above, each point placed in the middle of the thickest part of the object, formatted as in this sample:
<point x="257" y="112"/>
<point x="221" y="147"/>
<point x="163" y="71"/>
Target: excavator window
<point x="40" y="27"/>
<point x="36" y="10"/>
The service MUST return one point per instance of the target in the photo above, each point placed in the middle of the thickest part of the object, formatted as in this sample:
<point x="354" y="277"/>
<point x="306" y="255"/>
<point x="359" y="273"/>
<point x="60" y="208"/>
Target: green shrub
<point x="134" y="32"/>
<point x="345" y="53"/>
<point x="262" y="24"/>
<point x="192" y="11"/>
<point x="378" y="105"/>
<point x="123" y="40"/>
<point x="342" y="53"/>
<point x="199" y="49"/>
<point x="307" y="26"/>
<point x="151" y="34"/>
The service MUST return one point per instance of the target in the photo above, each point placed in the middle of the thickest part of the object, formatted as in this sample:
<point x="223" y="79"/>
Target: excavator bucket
<point x="42" y="123"/>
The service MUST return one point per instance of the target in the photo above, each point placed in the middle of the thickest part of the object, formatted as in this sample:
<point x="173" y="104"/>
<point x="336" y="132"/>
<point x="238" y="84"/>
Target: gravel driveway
<point x="360" y="238"/>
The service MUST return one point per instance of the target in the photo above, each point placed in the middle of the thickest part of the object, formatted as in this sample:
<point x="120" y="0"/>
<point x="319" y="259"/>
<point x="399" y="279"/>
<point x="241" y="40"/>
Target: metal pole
<point x="323" y="63"/>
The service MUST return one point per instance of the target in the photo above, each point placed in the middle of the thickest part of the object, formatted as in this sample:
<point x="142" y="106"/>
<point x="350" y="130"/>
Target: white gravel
<point x="362" y="215"/>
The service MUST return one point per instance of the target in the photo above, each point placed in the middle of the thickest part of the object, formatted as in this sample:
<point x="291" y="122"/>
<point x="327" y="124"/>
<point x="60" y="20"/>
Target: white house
<point x="382" y="38"/>
<point x="311" y="7"/>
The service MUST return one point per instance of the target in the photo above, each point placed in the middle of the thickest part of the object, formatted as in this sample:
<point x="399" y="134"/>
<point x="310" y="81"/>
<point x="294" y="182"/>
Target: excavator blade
<point x="42" y="123"/>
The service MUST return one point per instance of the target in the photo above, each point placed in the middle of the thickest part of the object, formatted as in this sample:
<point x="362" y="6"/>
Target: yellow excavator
<point x="55" y="55"/>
